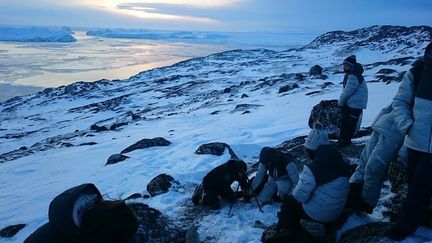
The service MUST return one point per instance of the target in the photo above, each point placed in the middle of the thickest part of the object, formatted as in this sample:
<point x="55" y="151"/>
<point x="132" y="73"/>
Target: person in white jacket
<point x="381" y="148"/>
<point x="320" y="194"/>
<point x="277" y="175"/>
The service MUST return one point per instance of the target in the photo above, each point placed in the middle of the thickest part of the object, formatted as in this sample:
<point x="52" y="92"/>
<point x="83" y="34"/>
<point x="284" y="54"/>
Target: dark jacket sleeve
<point x="45" y="234"/>
<point x="61" y="226"/>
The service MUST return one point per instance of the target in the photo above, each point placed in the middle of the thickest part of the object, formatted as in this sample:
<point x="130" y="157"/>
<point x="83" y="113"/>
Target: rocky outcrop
<point x="215" y="148"/>
<point x="161" y="184"/>
<point x="154" y="226"/>
<point x="11" y="230"/>
<point x="115" y="158"/>
<point x="147" y="143"/>
<point x="371" y="232"/>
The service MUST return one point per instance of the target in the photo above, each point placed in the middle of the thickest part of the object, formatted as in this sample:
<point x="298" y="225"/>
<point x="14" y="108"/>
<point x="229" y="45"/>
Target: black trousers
<point x="349" y="120"/>
<point x="211" y="196"/>
<point x="290" y="214"/>
<point x="415" y="209"/>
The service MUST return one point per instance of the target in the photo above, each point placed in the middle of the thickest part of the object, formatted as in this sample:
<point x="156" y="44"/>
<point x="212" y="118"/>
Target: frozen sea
<point x="27" y="67"/>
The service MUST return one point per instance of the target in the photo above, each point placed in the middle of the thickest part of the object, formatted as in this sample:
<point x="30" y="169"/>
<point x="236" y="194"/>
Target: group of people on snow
<point x="320" y="192"/>
<point x="325" y="186"/>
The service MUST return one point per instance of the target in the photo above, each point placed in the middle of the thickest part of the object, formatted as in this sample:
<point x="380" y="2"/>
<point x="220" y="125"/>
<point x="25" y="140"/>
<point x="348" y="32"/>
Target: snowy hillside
<point x="47" y="146"/>
<point x="36" y="34"/>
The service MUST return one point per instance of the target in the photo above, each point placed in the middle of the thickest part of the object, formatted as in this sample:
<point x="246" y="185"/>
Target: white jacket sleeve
<point x="305" y="186"/>
<point x="259" y="177"/>
<point x="403" y="102"/>
<point x="351" y="86"/>
<point x="293" y="173"/>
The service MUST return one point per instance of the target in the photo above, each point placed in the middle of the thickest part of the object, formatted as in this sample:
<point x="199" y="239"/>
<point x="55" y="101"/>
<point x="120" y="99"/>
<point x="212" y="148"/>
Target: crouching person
<point x="217" y="184"/>
<point x="281" y="172"/>
<point x="79" y="214"/>
<point x="320" y="194"/>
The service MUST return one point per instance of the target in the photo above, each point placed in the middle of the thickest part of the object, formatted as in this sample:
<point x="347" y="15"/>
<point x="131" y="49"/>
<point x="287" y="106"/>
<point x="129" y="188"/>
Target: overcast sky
<point x="219" y="15"/>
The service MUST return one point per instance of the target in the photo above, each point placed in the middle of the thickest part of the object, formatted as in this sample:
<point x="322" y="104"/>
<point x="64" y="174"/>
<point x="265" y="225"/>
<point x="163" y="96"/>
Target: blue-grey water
<point x="27" y="67"/>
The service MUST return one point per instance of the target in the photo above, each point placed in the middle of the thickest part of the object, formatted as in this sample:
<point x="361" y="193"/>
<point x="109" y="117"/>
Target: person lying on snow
<point x="320" y="194"/>
<point x="381" y="148"/>
<point x="79" y="214"/>
<point x="280" y="170"/>
<point x="217" y="184"/>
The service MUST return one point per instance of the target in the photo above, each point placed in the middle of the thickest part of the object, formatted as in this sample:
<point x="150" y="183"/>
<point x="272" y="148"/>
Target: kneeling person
<point x="282" y="175"/>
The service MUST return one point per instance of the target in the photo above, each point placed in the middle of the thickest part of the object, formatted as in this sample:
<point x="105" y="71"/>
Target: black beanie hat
<point x="428" y="52"/>
<point x="351" y="60"/>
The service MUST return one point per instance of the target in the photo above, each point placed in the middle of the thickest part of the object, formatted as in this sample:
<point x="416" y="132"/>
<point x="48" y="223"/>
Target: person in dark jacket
<point x="320" y="194"/>
<point x="80" y="215"/>
<point x="353" y="99"/>
<point x="413" y="114"/>
<point x="282" y="175"/>
<point x="217" y="184"/>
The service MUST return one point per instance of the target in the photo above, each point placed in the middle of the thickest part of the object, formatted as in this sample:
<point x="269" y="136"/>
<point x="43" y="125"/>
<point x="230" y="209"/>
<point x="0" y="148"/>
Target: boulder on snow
<point x="215" y="148"/>
<point x="154" y="226"/>
<point x="161" y="184"/>
<point x="147" y="143"/>
<point x="11" y="230"/>
<point x="97" y="128"/>
<point x="315" y="70"/>
<point x="327" y="112"/>
<point x="115" y="158"/>
<point x="287" y="88"/>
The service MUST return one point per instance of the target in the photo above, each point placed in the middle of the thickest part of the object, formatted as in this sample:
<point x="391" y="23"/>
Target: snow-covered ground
<point x="36" y="34"/>
<point x="177" y="102"/>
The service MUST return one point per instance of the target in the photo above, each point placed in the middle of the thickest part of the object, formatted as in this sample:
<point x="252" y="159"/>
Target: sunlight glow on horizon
<point x="113" y="6"/>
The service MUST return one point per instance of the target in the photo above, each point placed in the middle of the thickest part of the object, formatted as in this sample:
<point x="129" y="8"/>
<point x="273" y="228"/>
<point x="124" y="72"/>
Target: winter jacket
<point x="316" y="138"/>
<point x="355" y="91"/>
<point x="224" y="175"/>
<point x="412" y="109"/>
<point x="63" y="211"/>
<point x="385" y="124"/>
<point x="282" y="172"/>
<point x="323" y="186"/>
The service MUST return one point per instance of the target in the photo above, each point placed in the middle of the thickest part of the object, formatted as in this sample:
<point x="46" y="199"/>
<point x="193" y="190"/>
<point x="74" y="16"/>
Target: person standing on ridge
<point x="353" y="99"/>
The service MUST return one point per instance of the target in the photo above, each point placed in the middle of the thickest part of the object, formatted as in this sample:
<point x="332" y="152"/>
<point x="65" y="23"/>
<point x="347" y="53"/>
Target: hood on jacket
<point x="60" y="212"/>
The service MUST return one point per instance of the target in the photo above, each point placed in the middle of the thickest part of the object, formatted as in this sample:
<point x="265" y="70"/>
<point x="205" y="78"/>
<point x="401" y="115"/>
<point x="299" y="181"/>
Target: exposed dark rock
<point x="229" y="100"/>
<point x="245" y="96"/>
<point x="387" y="71"/>
<point x="154" y="226"/>
<point x="11" y="230"/>
<point x="398" y="179"/>
<point x="287" y="88"/>
<point x="227" y="90"/>
<point x="215" y="148"/>
<point x="300" y="77"/>
<point x="97" y="128"/>
<point x="117" y="125"/>
<point x="23" y="148"/>
<point x="326" y="84"/>
<point x="244" y="107"/>
<point x="88" y="144"/>
<point x="371" y="232"/>
<point x="294" y="147"/>
<point x="246" y="112"/>
<point x="215" y="112"/>
<point x="313" y="92"/>
<point x="315" y="70"/>
<point x="146" y="143"/>
<point x="160" y="184"/>
<point x="67" y="145"/>
<point x="18" y="135"/>
<point x="134" y="196"/>
<point x="90" y="135"/>
<point x="328" y="113"/>
<point x="115" y="158"/>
